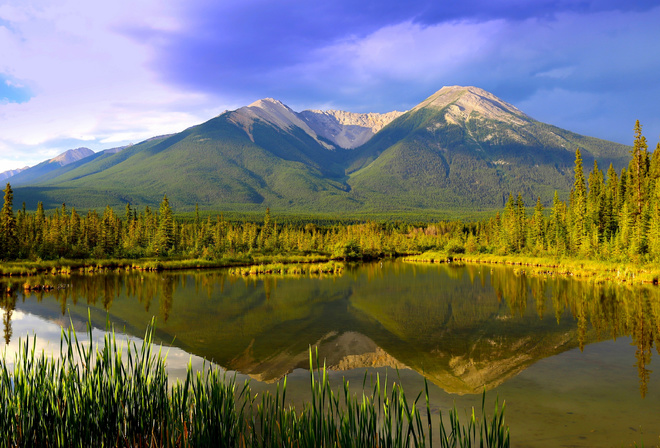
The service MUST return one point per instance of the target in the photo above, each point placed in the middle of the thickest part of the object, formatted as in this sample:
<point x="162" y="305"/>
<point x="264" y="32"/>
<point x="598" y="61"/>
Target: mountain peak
<point x="464" y="103"/>
<point x="266" y="103"/>
<point x="72" y="155"/>
<point x="271" y="111"/>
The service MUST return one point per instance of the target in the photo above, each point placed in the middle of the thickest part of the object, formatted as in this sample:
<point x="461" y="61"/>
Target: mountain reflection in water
<point x="462" y="327"/>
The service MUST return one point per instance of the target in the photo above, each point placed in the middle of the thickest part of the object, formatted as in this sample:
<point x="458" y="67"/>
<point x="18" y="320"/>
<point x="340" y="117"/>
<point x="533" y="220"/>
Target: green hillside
<point x="460" y="150"/>
<point x="214" y="164"/>
<point x="431" y="158"/>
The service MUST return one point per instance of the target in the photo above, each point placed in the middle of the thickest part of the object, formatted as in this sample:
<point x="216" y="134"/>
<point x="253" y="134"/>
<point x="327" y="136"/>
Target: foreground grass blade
<point x="103" y="396"/>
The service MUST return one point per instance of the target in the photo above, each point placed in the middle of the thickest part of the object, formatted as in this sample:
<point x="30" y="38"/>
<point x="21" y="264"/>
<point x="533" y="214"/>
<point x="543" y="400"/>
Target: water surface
<point x="573" y="360"/>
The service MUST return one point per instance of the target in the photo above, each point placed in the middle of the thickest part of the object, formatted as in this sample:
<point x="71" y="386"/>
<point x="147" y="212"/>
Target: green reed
<point x="105" y="396"/>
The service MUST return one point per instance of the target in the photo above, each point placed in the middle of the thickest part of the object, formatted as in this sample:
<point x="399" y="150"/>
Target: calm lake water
<point x="572" y="360"/>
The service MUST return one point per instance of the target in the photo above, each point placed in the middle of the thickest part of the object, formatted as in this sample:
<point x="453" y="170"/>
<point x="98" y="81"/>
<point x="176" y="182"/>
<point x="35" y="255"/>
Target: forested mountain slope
<point x="462" y="148"/>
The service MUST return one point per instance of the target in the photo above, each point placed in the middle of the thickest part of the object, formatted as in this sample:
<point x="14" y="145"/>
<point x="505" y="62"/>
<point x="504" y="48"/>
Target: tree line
<point x="65" y="233"/>
<point x="613" y="216"/>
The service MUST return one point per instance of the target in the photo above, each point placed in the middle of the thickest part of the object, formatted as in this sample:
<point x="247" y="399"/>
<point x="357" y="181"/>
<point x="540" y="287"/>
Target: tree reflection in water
<point x="464" y="327"/>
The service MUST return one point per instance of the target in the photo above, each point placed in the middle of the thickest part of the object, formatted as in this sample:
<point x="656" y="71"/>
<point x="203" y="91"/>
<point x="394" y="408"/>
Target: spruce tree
<point x="508" y="228"/>
<point x="611" y="203"/>
<point x="596" y="203"/>
<point x="578" y="206"/>
<point x="266" y="230"/>
<point x="521" y="223"/>
<point x="558" y="225"/>
<point x="108" y="232"/>
<point x="8" y="240"/>
<point x="654" y="225"/>
<point x="165" y="233"/>
<point x="654" y="165"/>
<point x="538" y="226"/>
<point x="638" y="168"/>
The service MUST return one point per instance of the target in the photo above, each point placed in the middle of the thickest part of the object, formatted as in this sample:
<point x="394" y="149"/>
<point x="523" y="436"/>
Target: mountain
<point x="460" y="149"/>
<point x="7" y="174"/>
<point x="464" y="147"/>
<point x="72" y="155"/>
<point x="347" y="129"/>
<point x="40" y="172"/>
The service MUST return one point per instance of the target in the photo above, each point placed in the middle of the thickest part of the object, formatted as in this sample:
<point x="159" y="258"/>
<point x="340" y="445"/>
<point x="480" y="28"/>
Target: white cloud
<point x="94" y="85"/>
<point x="585" y="72"/>
<point x="90" y="81"/>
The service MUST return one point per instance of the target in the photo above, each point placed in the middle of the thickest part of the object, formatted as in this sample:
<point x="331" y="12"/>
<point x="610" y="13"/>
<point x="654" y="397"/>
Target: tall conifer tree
<point x="165" y="233"/>
<point x="578" y="203"/>
<point x="638" y="168"/>
<point x="8" y="240"/>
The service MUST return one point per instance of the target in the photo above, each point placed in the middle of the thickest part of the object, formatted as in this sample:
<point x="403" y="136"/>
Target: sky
<point x="105" y="74"/>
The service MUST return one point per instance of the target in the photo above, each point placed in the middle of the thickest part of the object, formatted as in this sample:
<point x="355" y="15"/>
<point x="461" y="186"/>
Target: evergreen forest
<point x="609" y="215"/>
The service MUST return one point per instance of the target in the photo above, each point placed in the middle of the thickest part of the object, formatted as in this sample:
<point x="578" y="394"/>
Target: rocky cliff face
<point x="347" y="129"/>
<point x="487" y="118"/>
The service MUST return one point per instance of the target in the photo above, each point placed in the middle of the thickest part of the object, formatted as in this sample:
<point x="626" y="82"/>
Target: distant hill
<point x="39" y="173"/>
<point x="460" y="149"/>
<point x="9" y="173"/>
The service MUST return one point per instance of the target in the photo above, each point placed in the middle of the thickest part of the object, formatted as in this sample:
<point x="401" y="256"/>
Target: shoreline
<point x="66" y="266"/>
<point x="595" y="270"/>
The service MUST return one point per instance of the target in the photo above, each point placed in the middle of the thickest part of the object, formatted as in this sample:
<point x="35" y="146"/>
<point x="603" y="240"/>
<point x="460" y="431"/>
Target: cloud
<point x="522" y="51"/>
<point x="87" y="83"/>
<point x="387" y="55"/>
<point x="109" y="73"/>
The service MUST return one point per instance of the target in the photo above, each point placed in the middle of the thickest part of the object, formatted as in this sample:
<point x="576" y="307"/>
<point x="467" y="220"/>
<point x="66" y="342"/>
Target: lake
<point x="572" y="360"/>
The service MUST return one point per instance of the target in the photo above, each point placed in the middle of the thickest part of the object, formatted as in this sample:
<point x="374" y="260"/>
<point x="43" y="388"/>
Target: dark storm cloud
<point x="390" y="54"/>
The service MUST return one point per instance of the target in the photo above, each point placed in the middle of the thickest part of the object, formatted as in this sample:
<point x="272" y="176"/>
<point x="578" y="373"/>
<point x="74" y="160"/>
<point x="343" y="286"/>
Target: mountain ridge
<point x="462" y="148"/>
<point x="9" y="173"/>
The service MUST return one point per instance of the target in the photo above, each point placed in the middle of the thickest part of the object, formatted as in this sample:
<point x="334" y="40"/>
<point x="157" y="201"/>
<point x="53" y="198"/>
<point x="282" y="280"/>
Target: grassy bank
<point x="103" y="397"/>
<point x="331" y="267"/>
<point x="66" y="266"/>
<point x="599" y="271"/>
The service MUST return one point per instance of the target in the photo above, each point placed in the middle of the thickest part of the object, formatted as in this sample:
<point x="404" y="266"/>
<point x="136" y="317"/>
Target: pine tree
<point x="626" y="228"/>
<point x="654" y="225"/>
<point x="538" y="226"/>
<point x="108" y="232"/>
<point x="266" y="230"/>
<point x="622" y="190"/>
<point x="578" y="206"/>
<point x="654" y="165"/>
<point x="638" y="168"/>
<point x="508" y="227"/>
<point x="128" y="214"/>
<point x="165" y="233"/>
<point x="611" y="203"/>
<point x="596" y="202"/>
<point x="558" y="225"/>
<point x="521" y="224"/>
<point x="8" y="240"/>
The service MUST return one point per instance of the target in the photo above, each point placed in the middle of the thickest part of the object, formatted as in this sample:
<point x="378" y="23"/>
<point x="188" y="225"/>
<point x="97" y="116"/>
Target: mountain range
<point x="460" y="149"/>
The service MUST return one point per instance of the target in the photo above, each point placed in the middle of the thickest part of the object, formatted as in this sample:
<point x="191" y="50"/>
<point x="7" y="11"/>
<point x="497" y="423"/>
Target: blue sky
<point x="103" y="74"/>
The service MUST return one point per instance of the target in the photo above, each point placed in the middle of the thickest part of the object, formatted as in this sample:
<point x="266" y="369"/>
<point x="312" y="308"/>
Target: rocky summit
<point x="462" y="149"/>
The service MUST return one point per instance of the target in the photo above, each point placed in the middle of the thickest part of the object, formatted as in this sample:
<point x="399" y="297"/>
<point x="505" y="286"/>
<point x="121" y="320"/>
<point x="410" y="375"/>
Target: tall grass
<point x="102" y="396"/>
<point x="331" y="267"/>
